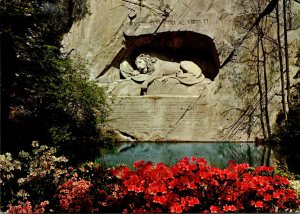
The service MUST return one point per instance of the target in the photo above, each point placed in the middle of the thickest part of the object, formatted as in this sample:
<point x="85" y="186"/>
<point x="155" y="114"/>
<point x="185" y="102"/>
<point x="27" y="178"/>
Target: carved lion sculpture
<point x="186" y="72"/>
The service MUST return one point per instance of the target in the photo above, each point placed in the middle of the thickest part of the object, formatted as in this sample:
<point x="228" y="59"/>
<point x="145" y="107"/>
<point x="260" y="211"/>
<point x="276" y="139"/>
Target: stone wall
<point x="201" y="86"/>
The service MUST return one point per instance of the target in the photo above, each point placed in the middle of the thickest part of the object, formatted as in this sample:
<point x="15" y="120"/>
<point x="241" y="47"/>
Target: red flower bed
<point x="193" y="186"/>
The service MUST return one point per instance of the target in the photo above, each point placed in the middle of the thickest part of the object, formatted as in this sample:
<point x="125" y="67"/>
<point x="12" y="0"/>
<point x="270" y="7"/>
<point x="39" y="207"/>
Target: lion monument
<point x="186" y="72"/>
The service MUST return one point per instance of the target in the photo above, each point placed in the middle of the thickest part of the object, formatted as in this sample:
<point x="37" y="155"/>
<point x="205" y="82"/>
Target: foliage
<point x="188" y="186"/>
<point x="45" y="95"/>
<point x="286" y="137"/>
<point x="285" y="140"/>
<point x="33" y="175"/>
<point x="78" y="9"/>
<point x="82" y="103"/>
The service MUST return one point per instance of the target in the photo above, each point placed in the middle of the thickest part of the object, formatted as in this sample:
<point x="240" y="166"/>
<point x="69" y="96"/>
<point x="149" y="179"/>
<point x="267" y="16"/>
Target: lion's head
<point x="145" y="63"/>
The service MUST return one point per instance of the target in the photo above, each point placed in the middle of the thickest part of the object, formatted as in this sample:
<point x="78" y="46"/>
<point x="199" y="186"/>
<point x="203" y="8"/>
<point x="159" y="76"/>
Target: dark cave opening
<point x="173" y="45"/>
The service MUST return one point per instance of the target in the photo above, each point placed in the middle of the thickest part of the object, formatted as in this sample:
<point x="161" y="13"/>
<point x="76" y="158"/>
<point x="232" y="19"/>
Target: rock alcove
<point x="195" y="50"/>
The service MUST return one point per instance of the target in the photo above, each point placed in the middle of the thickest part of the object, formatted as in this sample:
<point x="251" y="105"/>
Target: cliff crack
<point x="145" y="5"/>
<point x="269" y="8"/>
<point x="190" y="106"/>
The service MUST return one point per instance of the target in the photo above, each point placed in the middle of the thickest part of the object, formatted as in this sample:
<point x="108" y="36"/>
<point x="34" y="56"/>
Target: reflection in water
<point x="169" y="153"/>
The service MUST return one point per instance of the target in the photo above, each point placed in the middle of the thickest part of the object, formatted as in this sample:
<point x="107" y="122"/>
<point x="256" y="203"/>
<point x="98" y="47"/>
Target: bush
<point x="193" y="186"/>
<point x="27" y="208"/>
<point x="46" y="96"/>
<point x="32" y="176"/>
<point x="188" y="186"/>
<point x="74" y="196"/>
<point x="285" y="141"/>
<point x="82" y="103"/>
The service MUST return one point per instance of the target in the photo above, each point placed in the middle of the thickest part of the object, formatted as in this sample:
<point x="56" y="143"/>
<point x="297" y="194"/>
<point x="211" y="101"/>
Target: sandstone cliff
<point x="219" y="36"/>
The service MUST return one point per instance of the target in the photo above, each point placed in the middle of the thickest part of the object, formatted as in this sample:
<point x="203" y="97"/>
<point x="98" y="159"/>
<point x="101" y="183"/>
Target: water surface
<point x="169" y="153"/>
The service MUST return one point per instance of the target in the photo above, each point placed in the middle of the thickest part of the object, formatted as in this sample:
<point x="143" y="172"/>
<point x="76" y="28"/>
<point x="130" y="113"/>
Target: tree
<point x="286" y="51"/>
<point x="280" y="63"/>
<point x="271" y="45"/>
<point x="45" y="96"/>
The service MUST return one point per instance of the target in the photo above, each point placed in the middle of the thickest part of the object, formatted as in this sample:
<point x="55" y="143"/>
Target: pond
<point x="217" y="153"/>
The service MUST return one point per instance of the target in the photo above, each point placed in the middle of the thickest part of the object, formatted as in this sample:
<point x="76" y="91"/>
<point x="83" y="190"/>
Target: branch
<point x="270" y="7"/>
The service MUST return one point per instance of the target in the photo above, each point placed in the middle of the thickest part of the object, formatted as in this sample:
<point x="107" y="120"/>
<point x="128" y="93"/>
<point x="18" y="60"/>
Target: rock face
<point x="180" y="70"/>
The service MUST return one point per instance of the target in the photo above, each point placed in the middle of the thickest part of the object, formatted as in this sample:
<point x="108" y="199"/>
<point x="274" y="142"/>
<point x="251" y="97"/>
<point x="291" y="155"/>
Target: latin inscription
<point x="170" y="22"/>
<point x="163" y="118"/>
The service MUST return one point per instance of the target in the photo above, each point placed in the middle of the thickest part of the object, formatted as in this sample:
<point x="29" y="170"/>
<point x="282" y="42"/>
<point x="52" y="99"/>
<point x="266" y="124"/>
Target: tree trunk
<point x="266" y="99"/>
<point x="259" y="86"/>
<point x="265" y="88"/>
<point x="286" y="53"/>
<point x="260" y="96"/>
<point x="281" y="64"/>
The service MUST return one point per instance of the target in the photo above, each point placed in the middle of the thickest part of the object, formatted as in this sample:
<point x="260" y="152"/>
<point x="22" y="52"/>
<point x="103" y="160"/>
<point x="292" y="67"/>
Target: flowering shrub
<point x="89" y="189"/>
<point x="74" y="196"/>
<point x="26" y="207"/>
<point x="41" y="163"/>
<point x="188" y="186"/>
<point x="193" y="186"/>
<point x="8" y="166"/>
<point x="32" y="176"/>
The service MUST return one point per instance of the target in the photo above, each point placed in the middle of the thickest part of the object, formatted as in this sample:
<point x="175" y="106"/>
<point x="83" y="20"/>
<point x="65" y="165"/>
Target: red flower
<point x="160" y="199"/>
<point x="191" y="185"/>
<point x="291" y="194"/>
<point x="260" y="169"/>
<point x="201" y="161"/>
<point x="192" y="167"/>
<point x="276" y="195"/>
<point x="215" y="209"/>
<point x="138" y="164"/>
<point x="193" y="158"/>
<point x="285" y="181"/>
<point x="120" y="171"/>
<point x="176" y="208"/>
<point x="279" y="180"/>
<point x="214" y="182"/>
<point x="183" y="186"/>
<point x="267" y="197"/>
<point x="259" y="204"/>
<point x="193" y="201"/>
<point x="229" y="208"/>
<point x="135" y="188"/>
<point x="157" y="187"/>
<point x="173" y="183"/>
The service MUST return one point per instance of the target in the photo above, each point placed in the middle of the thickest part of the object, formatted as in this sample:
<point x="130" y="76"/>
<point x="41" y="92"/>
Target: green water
<point x="169" y="153"/>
